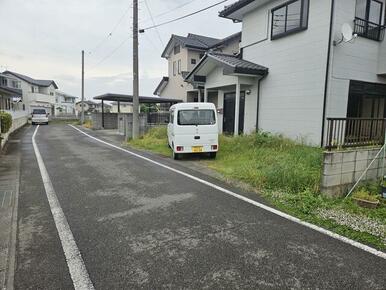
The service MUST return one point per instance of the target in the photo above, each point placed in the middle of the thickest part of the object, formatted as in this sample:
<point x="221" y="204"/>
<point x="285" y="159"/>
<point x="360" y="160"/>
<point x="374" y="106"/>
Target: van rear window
<point x="196" y="117"/>
<point x="39" y="111"/>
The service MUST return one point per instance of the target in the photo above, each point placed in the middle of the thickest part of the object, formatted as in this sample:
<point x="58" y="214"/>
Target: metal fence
<point x="159" y="118"/>
<point x="354" y="132"/>
<point x="369" y="29"/>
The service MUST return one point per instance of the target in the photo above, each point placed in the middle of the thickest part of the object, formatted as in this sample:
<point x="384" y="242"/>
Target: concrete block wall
<point x="342" y="169"/>
<point x="111" y="121"/>
<point x="17" y="122"/>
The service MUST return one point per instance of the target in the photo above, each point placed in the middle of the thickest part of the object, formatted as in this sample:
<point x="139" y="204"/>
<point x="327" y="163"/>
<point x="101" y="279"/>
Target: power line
<point x="110" y="33"/>
<point x="182" y="17"/>
<point x="171" y="10"/>
<point x="152" y="20"/>
<point x="111" y="53"/>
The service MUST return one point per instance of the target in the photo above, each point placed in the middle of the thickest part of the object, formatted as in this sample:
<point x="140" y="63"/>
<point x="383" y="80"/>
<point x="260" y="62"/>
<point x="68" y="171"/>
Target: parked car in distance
<point x="39" y="116"/>
<point x="193" y="128"/>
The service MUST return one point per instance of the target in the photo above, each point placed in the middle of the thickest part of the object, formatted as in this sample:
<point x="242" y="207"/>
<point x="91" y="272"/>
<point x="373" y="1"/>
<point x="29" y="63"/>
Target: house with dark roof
<point x="91" y="107"/>
<point x="182" y="54"/>
<point x="36" y="93"/>
<point x="10" y="94"/>
<point x="297" y="74"/>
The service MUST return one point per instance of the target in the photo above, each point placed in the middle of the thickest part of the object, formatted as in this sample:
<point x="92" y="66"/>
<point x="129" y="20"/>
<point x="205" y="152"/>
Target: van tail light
<point x="180" y="148"/>
<point x="32" y="115"/>
<point x="47" y="115"/>
<point x="214" y="147"/>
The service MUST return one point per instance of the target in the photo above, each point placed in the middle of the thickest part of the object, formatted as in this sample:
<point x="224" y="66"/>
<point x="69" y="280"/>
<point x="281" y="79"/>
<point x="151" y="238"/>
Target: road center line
<point x="75" y="263"/>
<point x="250" y="201"/>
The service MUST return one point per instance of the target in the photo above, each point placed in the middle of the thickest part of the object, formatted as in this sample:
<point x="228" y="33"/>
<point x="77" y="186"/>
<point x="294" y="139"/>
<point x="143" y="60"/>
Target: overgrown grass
<point x="285" y="172"/>
<point x="154" y="140"/>
<point x="270" y="162"/>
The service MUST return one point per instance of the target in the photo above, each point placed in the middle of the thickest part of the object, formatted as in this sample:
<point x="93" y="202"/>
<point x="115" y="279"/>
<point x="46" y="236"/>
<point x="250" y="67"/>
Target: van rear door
<point x="197" y="127"/>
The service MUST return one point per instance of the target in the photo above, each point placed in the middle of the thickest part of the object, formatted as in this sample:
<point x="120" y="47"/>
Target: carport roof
<point x="129" y="99"/>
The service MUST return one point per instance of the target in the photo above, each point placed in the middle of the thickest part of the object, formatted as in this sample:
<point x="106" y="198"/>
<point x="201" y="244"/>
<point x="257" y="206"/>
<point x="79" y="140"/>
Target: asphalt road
<point x="138" y="225"/>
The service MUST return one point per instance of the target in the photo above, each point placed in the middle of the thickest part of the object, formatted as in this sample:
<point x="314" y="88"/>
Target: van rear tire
<point x="212" y="155"/>
<point x="176" y="156"/>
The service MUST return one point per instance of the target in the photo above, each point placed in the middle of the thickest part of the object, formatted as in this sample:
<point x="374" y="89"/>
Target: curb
<point x="11" y="265"/>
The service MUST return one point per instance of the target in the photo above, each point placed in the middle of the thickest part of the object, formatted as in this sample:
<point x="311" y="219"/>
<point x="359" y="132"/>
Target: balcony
<point x="369" y="29"/>
<point x="38" y="97"/>
<point x="354" y="132"/>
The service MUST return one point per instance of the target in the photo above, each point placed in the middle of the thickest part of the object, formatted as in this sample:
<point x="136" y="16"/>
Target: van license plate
<point x="197" y="149"/>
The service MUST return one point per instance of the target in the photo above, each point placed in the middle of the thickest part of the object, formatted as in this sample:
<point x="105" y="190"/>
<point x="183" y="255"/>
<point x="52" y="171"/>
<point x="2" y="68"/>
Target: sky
<point x="44" y="39"/>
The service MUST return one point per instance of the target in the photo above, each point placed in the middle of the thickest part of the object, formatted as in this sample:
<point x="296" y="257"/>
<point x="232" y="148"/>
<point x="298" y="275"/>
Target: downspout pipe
<point x="327" y="72"/>
<point x="258" y="102"/>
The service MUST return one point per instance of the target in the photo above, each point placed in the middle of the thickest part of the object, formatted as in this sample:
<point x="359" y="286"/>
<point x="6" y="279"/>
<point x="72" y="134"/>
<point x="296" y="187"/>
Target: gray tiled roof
<point x="207" y="41"/>
<point x="200" y="41"/>
<point x="232" y="65"/>
<point x="41" y="83"/>
<point x="236" y="62"/>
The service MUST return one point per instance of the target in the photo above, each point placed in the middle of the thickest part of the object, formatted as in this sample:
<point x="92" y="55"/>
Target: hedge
<point x="6" y="122"/>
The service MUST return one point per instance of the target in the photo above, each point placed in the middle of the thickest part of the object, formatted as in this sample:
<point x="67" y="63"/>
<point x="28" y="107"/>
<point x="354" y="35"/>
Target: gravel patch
<point x="356" y="222"/>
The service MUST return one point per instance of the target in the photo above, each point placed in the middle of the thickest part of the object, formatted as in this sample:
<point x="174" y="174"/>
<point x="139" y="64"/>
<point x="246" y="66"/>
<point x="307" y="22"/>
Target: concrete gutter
<point x="9" y="195"/>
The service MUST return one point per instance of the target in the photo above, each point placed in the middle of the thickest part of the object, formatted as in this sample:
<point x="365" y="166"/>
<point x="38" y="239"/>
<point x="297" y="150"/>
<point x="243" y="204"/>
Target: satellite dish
<point x="347" y="32"/>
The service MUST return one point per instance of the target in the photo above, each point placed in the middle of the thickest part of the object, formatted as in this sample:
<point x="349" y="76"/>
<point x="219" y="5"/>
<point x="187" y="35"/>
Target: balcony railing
<point x="369" y="29"/>
<point x="354" y="132"/>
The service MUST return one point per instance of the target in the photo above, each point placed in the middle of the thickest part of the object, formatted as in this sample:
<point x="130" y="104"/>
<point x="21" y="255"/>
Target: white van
<point x="193" y="128"/>
<point x="39" y="116"/>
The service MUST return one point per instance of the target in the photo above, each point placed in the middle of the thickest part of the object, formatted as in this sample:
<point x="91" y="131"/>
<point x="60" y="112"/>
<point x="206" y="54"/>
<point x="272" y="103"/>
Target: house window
<point x="32" y="89"/>
<point x="369" y="10"/>
<point x="291" y="17"/>
<point x="174" y="68"/>
<point x="368" y="19"/>
<point x="177" y="49"/>
<point x="4" y="82"/>
<point x="179" y="66"/>
<point x="193" y="61"/>
<point x="16" y="84"/>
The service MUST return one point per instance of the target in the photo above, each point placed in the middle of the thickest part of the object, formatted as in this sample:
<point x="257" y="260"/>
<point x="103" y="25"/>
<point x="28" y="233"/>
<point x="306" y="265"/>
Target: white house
<point x="35" y="93"/>
<point x="182" y="54"/>
<point x="10" y="102"/>
<point x="64" y="104"/>
<point x="121" y="107"/>
<point x="91" y="107"/>
<point x="10" y="94"/>
<point x="293" y="71"/>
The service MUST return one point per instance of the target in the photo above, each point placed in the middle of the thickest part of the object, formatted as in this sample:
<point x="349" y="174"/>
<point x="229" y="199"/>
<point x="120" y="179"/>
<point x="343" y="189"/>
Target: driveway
<point x="137" y="224"/>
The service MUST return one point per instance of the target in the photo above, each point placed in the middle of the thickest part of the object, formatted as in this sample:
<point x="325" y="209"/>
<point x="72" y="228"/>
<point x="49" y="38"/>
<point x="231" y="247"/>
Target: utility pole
<point x="135" y="72"/>
<point x="82" y="103"/>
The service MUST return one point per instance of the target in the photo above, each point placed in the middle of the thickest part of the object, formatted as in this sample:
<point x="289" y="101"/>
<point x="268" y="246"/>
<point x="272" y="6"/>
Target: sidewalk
<point x="9" y="190"/>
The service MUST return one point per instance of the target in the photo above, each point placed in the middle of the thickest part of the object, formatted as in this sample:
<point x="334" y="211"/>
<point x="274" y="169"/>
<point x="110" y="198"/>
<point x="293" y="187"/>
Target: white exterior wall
<point x="226" y="84"/>
<point x="232" y="47"/>
<point x="292" y="95"/>
<point x="67" y="108"/>
<point x="176" y="87"/>
<point x="360" y="60"/>
<point x="123" y="107"/>
<point x="40" y="94"/>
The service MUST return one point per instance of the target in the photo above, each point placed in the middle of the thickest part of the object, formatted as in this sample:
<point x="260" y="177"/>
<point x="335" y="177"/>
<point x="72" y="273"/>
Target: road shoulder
<point x="9" y="192"/>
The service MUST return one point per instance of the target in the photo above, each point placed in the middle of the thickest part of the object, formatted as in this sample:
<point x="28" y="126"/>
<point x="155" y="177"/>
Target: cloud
<point x="46" y="38"/>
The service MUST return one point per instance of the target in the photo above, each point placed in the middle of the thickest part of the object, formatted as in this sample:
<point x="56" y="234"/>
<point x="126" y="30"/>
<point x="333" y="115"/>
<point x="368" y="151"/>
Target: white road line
<point x="250" y="201"/>
<point x="10" y="199"/>
<point x="76" y="266"/>
<point x="5" y="194"/>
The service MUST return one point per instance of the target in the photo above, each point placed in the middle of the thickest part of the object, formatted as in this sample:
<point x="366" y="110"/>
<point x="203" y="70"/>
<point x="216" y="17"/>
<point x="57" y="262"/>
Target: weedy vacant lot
<point x="287" y="173"/>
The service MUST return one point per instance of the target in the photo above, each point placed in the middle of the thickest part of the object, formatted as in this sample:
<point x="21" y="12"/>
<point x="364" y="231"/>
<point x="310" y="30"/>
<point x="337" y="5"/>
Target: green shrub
<point x="6" y="122"/>
<point x="365" y="195"/>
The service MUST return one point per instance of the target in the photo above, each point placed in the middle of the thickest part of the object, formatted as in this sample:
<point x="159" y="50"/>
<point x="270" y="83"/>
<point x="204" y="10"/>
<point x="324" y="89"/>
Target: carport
<point x="129" y="99"/>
